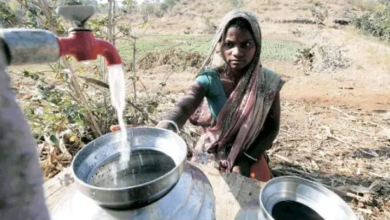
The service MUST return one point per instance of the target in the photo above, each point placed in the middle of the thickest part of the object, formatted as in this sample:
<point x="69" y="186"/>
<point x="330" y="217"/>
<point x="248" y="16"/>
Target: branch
<point x="77" y="89"/>
<point x="105" y="85"/>
<point x="142" y="111"/>
<point x="96" y="82"/>
<point x="118" y="18"/>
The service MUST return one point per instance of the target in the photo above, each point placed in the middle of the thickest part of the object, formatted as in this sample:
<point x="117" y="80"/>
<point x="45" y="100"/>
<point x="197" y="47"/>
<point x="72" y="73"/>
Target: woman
<point x="243" y="101"/>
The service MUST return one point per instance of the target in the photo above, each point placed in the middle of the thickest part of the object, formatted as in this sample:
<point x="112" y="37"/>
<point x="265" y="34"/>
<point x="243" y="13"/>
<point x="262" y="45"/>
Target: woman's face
<point x="239" y="48"/>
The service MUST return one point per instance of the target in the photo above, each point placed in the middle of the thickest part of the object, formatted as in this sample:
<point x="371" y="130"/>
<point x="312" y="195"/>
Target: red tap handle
<point x="80" y="44"/>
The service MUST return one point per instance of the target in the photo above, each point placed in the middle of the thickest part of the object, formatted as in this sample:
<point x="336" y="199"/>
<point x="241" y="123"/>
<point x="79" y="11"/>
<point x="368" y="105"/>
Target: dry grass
<point x="55" y="157"/>
<point x="346" y="150"/>
<point x="379" y="58"/>
<point x="365" y="5"/>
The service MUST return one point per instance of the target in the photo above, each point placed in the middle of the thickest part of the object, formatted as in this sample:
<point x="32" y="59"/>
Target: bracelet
<point x="171" y="122"/>
<point x="250" y="157"/>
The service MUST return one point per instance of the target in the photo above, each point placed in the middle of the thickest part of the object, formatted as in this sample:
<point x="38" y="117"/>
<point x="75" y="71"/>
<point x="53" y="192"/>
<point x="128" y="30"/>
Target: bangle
<point x="171" y="122"/>
<point x="250" y="157"/>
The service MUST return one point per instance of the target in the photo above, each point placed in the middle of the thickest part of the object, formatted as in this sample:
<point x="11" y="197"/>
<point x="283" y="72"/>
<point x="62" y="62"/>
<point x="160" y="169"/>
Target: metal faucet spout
<point x="109" y="52"/>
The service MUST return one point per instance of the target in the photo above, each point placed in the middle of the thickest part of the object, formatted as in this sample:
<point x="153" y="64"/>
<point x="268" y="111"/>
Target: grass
<point x="160" y="43"/>
<point x="379" y="58"/>
<point x="281" y="50"/>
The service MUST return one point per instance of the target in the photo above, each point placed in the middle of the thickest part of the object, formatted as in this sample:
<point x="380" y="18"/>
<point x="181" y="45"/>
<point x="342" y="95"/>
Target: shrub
<point x="236" y="3"/>
<point x="148" y="9"/>
<point x="7" y="16"/>
<point x="210" y="27"/>
<point x="164" y="6"/>
<point x="319" y="14"/>
<point x="170" y="3"/>
<point x="376" y="23"/>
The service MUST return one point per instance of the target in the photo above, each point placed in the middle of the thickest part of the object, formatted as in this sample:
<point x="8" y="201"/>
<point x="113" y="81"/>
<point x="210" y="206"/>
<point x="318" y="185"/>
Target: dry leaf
<point x="73" y="138"/>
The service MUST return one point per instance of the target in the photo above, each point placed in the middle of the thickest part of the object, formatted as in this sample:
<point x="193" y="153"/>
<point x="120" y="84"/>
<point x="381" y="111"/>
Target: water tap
<point x="81" y="43"/>
<point x="34" y="46"/>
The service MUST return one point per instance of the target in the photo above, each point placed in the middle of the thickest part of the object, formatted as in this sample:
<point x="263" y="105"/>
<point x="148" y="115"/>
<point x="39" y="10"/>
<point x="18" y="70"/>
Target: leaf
<point x="144" y="24"/>
<point x="53" y="140"/>
<point x="73" y="138"/>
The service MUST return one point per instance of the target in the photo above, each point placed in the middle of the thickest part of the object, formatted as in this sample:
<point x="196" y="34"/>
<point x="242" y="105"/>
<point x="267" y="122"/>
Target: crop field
<point x="273" y="49"/>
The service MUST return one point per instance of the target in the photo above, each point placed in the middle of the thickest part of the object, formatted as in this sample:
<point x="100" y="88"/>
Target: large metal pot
<point x="324" y="202"/>
<point x="191" y="198"/>
<point x="105" y="149"/>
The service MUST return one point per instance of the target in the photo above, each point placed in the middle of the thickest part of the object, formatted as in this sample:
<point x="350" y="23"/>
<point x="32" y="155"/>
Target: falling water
<point x="116" y="80"/>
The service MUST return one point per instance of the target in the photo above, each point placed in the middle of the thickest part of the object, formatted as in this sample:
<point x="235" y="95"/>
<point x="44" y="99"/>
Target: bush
<point x="164" y="7"/>
<point x="170" y="3"/>
<point x="148" y="9"/>
<point x="236" y="3"/>
<point x="7" y="17"/>
<point x="210" y="27"/>
<point x="319" y="14"/>
<point x="375" y="23"/>
<point x="159" y="13"/>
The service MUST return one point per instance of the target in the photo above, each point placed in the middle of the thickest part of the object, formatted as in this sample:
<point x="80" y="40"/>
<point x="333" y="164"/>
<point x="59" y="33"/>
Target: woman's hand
<point x="167" y="126"/>
<point x="114" y="128"/>
<point x="223" y="165"/>
<point x="243" y="167"/>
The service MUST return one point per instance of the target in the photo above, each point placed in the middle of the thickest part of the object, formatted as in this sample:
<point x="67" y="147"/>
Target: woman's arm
<point x="185" y="107"/>
<point x="270" y="131"/>
<point x="263" y="141"/>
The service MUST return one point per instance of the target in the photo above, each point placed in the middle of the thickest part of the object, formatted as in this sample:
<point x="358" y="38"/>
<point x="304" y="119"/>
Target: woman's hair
<point x="240" y="24"/>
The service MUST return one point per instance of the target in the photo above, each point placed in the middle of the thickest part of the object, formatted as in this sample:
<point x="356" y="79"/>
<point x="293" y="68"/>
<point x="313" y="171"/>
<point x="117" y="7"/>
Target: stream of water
<point x="116" y="81"/>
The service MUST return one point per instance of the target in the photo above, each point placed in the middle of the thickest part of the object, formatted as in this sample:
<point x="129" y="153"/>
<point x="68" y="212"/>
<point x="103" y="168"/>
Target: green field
<point x="272" y="49"/>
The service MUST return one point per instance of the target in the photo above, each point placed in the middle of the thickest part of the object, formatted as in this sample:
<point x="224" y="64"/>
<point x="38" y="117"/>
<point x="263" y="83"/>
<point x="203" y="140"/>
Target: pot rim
<point x="309" y="183"/>
<point x="104" y="189"/>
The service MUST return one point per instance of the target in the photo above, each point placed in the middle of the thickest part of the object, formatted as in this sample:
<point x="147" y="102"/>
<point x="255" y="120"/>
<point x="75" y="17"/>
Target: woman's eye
<point x="248" y="44"/>
<point x="229" y="44"/>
